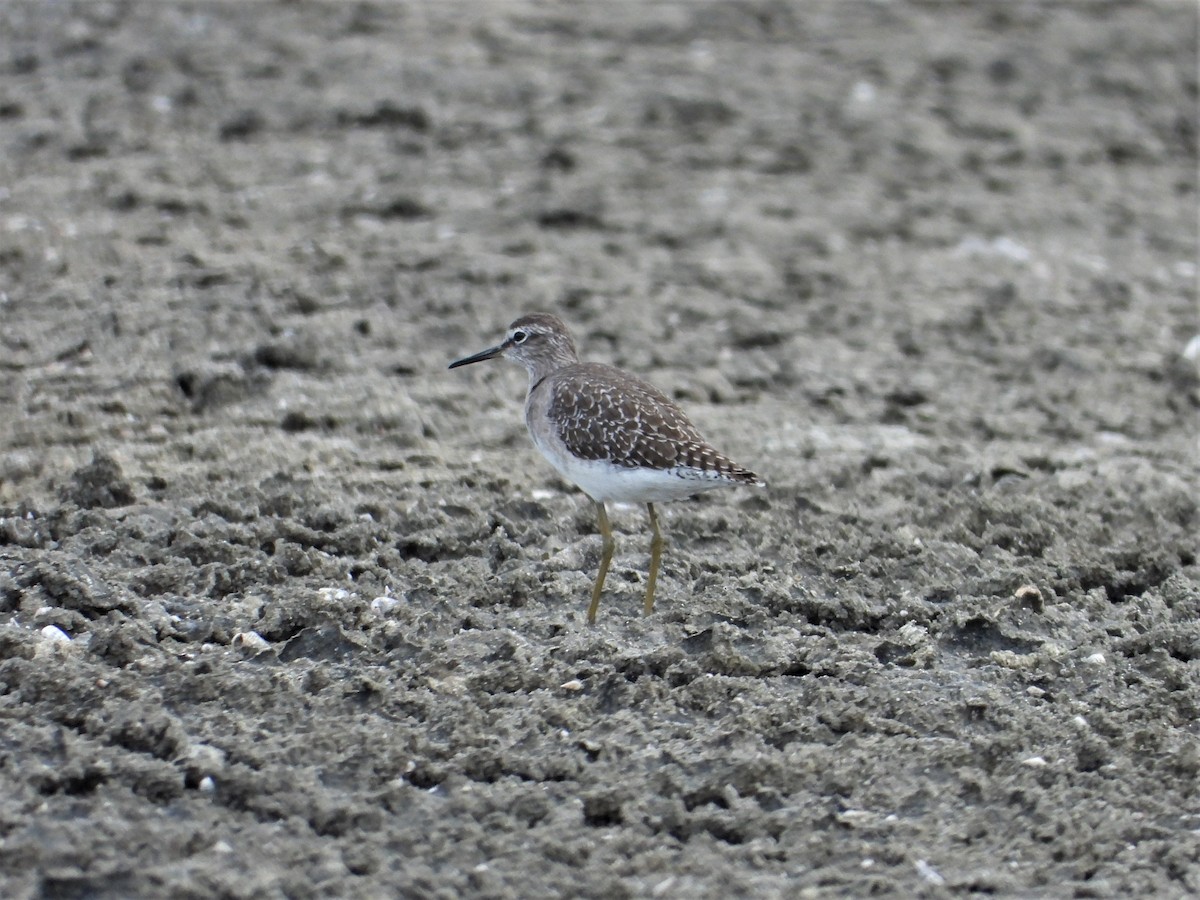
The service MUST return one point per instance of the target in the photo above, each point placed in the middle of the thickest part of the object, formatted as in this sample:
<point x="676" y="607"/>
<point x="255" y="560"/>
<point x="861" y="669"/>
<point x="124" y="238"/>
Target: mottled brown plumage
<point x="603" y="413"/>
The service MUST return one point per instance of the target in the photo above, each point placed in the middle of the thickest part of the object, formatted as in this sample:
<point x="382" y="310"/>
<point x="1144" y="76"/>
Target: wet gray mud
<point x="289" y="610"/>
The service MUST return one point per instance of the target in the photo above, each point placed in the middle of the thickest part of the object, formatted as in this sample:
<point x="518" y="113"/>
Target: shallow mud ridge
<point x="287" y="609"/>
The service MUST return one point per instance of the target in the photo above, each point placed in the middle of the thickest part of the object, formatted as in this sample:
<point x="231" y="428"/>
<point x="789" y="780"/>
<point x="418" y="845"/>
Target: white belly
<point x="607" y="483"/>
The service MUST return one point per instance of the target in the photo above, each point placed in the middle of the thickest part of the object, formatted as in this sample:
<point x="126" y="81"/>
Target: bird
<point x="613" y="435"/>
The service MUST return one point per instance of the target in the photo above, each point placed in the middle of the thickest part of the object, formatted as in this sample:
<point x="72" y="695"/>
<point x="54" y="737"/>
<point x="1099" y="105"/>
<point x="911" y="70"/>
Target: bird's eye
<point x="519" y="337"/>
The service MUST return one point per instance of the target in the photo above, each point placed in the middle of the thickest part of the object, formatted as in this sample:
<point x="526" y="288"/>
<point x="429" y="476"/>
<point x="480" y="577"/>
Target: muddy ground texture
<point x="289" y="610"/>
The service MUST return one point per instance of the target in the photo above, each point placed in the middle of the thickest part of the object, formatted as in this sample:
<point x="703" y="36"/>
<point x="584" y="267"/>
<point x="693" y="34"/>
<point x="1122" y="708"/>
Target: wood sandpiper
<point x="618" y="438"/>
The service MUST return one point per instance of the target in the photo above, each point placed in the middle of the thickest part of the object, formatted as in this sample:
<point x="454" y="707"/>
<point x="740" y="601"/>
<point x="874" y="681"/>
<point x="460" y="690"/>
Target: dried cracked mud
<point x="287" y="610"/>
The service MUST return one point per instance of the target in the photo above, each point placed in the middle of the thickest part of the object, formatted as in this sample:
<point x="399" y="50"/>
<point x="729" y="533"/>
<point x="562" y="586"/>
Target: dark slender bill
<point x="490" y="353"/>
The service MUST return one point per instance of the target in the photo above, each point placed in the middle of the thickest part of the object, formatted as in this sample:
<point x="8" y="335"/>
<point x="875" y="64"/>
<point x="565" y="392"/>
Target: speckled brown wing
<point x="603" y="413"/>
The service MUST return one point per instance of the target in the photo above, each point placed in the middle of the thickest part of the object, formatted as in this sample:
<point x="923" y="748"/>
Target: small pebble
<point x="1035" y="762"/>
<point x="205" y="757"/>
<point x="1030" y="595"/>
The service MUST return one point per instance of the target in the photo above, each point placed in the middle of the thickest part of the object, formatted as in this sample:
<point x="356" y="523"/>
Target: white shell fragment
<point x="381" y="606"/>
<point x="250" y="640"/>
<point x="55" y="635"/>
<point x="928" y="873"/>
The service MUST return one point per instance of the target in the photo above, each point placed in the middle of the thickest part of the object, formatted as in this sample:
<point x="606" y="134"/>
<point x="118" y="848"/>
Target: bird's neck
<point x="541" y="369"/>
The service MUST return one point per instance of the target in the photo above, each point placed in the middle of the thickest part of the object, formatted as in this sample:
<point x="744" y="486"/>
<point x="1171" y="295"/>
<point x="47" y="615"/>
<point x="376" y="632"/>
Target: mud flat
<point x="289" y="610"/>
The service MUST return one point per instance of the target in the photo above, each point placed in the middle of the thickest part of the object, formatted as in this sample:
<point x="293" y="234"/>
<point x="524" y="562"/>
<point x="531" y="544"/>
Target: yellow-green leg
<point x="605" y="558"/>
<point x="656" y="544"/>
